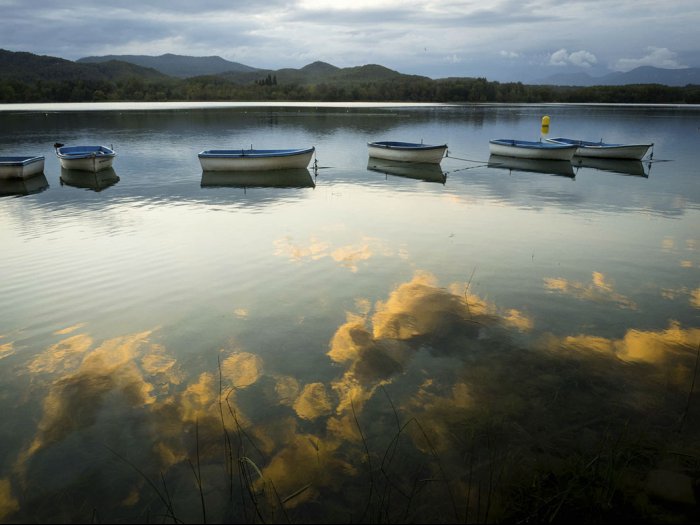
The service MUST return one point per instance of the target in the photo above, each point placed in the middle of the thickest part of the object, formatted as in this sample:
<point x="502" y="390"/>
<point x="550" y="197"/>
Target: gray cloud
<point x="497" y="39"/>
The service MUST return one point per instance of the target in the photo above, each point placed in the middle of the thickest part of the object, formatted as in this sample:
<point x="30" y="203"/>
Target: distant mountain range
<point x="29" y="67"/>
<point x="187" y="66"/>
<point x="176" y="65"/>
<point x="640" y="75"/>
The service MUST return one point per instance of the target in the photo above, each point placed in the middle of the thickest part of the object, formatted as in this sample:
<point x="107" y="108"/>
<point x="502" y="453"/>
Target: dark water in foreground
<point x="483" y="343"/>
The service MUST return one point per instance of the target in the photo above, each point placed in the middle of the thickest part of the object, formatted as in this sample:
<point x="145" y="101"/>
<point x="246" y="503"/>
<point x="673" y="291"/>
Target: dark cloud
<point x="502" y="40"/>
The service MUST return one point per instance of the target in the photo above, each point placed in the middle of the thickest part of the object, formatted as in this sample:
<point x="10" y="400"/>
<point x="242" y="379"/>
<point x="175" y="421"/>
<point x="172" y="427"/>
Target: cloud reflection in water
<point x="440" y="360"/>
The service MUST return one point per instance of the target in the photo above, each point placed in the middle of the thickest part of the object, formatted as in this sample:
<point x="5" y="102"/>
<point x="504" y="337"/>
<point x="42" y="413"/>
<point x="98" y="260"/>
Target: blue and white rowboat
<point x="407" y="151"/>
<point x="531" y="150"/>
<point x="20" y="167"/>
<point x="254" y="159"/>
<point x="85" y="158"/>
<point x="604" y="150"/>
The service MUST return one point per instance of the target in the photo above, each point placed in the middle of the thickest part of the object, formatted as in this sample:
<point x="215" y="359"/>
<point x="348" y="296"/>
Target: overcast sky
<point x="497" y="39"/>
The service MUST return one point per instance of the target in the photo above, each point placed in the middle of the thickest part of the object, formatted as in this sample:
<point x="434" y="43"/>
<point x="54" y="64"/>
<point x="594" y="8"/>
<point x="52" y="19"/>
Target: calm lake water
<point x="483" y="342"/>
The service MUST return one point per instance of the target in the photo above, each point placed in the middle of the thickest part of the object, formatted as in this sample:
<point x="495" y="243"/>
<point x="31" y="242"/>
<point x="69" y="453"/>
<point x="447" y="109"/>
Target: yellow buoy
<point x="545" y="124"/>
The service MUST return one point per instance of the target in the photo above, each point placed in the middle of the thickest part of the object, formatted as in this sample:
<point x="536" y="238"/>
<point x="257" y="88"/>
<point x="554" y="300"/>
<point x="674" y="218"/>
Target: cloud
<point x="508" y="54"/>
<point x="656" y="57"/>
<point x="579" y="58"/>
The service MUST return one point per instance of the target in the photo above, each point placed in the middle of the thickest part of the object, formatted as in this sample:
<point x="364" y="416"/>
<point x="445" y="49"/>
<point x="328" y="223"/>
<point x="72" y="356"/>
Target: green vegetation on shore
<point x="27" y="78"/>
<point x="213" y="88"/>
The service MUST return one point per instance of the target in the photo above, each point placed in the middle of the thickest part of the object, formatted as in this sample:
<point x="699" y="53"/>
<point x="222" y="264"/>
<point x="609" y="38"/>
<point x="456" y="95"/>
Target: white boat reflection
<point x="95" y="181"/>
<point x="620" y="166"/>
<point x="288" y="178"/>
<point x="562" y="168"/>
<point x="428" y="172"/>
<point x="26" y="186"/>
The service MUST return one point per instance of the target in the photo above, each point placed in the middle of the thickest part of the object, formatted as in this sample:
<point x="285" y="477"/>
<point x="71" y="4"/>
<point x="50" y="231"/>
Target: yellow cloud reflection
<point x="242" y="369"/>
<point x="315" y="249"/>
<point x="69" y="329"/>
<point x="75" y="399"/>
<point x="379" y="347"/>
<point x="600" y="289"/>
<point x="655" y="347"/>
<point x="695" y="298"/>
<point x="62" y="356"/>
<point x="6" y="349"/>
<point x="348" y="256"/>
<point x="8" y="503"/>
<point x="241" y="313"/>
<point x="313" y="402"/>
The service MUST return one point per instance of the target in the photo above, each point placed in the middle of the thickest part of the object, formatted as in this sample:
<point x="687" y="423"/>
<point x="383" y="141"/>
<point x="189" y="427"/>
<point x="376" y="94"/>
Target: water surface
<point x="355" y="342"/>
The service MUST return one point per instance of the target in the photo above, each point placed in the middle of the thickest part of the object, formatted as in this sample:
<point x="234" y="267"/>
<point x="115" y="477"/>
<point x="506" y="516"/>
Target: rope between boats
<point x="447" y="155"/>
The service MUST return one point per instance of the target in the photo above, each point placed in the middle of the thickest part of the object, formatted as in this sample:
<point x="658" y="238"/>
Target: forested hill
<point x="27" y="67"/>
<point x="177" y="65"/>
<point x="25" y="77"/>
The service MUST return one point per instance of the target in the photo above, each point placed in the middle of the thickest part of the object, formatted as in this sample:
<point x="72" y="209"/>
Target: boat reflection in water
<point x="562" y="168"/>
<point x="621" y="166"/>
<point x="25" y="186"/>
<point x="95" y="181"/>
<point x="428" y="172"/>
<point x="287" y="178"/>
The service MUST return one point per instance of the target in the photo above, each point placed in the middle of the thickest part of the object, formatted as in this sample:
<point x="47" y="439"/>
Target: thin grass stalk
<point x="166" y="501"/>
<point x="414" y="491"/>
<point x="393" y="445"/>
<point x="244" y="479"/>
<point x="280" y="502"/>
<point x="244" y="463"/>
<point x="228" y="448"/>
<point x="165" y="489"/>
<point x="469" y="484"/>
<point x="690" y="392"/>
<point x="442" y="470"/>
<point x="198" y="472"/>
<point x="369" y="460"/>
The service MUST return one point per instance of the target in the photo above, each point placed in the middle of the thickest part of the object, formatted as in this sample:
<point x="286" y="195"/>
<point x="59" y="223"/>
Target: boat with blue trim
<point x="254" y="159"/>
<point x="531" y="149"/>
<point x="407" y="151"/>
<point x="85" y="158"/>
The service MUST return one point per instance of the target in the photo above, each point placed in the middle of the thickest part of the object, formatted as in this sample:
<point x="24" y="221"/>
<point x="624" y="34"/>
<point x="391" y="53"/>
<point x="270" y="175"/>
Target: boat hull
<point x="407" y="152"/>
<point x="531" y="150"/>
<point x="287" y="178"/>
<point x="20" y="167"/>
<point x="428" y="172"/>
<point x="602" y="150"/>
<point x="254" y="160"/>
<point x="562" y="168"/>
<point x="621" y="166"/>
<point x="629" y="152"/>
<point x="95" y="181"/>
<point x="23" y="186"/>
<point x="86" y="158"/>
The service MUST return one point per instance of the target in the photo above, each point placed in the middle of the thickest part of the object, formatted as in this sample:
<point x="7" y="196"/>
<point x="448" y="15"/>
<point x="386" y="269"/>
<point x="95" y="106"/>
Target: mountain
<point x="177" y="65"/>
<point x="28" y="67"/>
<point x="640" y="75"/>
<point x="320" y="72"/>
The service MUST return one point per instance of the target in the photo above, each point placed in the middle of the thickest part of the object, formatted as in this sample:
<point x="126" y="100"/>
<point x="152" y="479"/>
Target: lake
<point x="481" y="342"/>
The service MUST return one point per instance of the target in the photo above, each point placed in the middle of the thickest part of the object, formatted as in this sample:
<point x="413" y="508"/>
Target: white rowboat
<point x="604" y="150"/>
<point x="531" y="150"/>
<point x="85" y="158"/>
<point x="254" y="159"/>
<point x="20" y="167"/>
<point x="407" y="151"/>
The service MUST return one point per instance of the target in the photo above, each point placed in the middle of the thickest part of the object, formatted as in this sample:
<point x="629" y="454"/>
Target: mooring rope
<point x="447" y="155"/>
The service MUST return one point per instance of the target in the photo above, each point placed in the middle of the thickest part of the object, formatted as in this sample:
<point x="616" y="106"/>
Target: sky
<point x="503" y="40"/>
